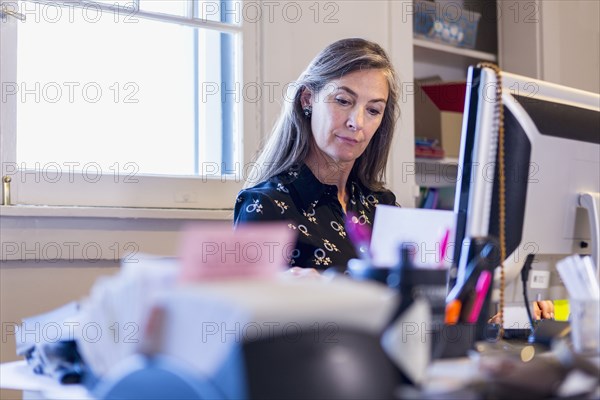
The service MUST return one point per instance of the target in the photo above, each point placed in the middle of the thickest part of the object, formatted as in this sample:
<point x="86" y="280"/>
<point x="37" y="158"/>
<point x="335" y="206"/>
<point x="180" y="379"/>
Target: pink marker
<point x="444" y="247"/>
<point x="481" y="289"/>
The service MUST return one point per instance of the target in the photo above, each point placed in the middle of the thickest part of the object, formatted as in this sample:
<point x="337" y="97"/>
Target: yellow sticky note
<point x="561" y="310"/>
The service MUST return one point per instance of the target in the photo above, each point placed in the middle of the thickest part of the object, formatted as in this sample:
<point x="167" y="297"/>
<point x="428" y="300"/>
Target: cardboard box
<point x="438" y="113"/>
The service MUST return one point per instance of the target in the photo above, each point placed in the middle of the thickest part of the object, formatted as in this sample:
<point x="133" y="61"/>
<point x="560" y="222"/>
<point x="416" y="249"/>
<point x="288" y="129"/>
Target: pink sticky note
<point x="213" y="250"/>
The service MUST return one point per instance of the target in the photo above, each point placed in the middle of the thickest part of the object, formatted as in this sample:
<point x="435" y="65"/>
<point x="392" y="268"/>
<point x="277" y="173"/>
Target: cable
<point x="525" y="278"/>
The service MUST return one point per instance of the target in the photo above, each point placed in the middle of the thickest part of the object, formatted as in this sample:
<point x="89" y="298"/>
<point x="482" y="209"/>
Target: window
<point x="133" y="104"/>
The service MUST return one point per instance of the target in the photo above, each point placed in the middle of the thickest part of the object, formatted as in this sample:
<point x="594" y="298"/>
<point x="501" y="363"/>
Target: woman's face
<point x="346" y="113"/>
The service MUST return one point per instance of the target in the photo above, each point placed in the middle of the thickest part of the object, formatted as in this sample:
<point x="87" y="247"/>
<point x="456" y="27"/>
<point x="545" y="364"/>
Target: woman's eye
<point x="342" y="101"/>
<point x="374" y="111"/>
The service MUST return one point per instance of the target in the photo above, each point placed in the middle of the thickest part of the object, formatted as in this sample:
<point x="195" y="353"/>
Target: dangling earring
<point x="307" y="111"/>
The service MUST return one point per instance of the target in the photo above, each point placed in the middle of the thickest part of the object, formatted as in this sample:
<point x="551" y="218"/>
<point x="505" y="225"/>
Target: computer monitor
<point x="552" y="169"/>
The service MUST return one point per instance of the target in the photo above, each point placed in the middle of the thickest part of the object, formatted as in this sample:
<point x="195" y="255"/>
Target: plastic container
<point x="445" y="22"/>
<point x="585" y="326"/>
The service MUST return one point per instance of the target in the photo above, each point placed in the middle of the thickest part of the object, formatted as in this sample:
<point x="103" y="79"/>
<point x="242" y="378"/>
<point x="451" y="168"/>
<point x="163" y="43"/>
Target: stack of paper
<point x="579" y="276"/>
<point x="111" y="324"/>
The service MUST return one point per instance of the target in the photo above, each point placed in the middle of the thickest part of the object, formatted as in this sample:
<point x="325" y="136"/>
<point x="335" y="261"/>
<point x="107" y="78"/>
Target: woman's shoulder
<point x="273" y="191"/>
<point x="268" y="200"/>
<point x="263" y="191"/>
<point x="275" y="185"/>
<point x="386" y="196"/>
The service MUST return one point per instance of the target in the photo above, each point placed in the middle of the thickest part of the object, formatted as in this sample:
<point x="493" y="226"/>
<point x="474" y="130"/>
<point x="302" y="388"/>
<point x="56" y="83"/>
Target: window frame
<point x="212" y="191"/>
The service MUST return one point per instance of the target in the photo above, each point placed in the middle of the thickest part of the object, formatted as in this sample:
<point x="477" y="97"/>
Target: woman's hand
<point x="543" y="309"/>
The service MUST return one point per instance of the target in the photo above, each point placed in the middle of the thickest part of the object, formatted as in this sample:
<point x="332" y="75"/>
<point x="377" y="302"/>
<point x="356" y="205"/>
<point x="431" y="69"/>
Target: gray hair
<point x="289" y="142"/>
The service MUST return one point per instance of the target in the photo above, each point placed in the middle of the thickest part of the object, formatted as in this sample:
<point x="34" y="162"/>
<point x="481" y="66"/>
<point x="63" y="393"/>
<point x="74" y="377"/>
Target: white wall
<point x="571" y="43"/>
<point x="556" y="41"/>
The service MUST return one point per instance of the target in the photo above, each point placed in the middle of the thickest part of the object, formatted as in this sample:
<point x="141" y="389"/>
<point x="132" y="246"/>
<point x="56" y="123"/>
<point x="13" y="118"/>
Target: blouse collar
<point x="310" y="190"/>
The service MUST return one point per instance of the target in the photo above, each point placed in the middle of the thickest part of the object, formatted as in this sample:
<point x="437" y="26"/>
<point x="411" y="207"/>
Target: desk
<point x="443" y="377"/>
<point x="447" y="375"/>
<point x="18" y="375"/>
<point x="344" y="304"/>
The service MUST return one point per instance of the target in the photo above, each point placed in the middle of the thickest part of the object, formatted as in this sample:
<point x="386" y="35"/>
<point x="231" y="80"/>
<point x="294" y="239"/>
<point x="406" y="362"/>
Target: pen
<point x="452" y="312"/>
<point x="481" y="289"/>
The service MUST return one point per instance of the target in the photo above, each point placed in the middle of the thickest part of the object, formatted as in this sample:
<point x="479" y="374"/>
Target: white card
<point x="423" y="229"/>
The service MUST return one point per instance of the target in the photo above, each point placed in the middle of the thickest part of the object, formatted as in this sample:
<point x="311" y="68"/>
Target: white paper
<point x="18" y="375"/>
<point x="111" y="324"/>
<point x="423" y="229"/>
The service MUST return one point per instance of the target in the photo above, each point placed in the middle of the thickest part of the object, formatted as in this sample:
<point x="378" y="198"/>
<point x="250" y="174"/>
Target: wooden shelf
<point x="444" y="161"/>
<point x="436" y="173"/>
<point x="435" y="181"/>
<point x="460" y="51"/>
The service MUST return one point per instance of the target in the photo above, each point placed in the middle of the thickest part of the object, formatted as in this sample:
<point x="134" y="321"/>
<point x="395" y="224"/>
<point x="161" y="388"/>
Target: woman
<point x="327" y="153"/>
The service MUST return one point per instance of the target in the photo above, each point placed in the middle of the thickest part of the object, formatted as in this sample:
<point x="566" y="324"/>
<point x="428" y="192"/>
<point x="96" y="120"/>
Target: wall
<point x="556" y="41"/>
<point x="571" y="43"/>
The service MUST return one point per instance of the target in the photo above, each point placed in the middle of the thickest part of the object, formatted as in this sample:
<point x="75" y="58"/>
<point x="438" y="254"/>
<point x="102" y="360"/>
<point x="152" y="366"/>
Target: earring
<point x="307" y="111"/>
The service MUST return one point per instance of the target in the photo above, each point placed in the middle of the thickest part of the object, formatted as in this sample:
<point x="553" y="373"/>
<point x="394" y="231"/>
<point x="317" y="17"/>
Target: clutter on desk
<point x="96" y="333"/>
<point x="48" y="345"/>
<point x="579" y="275"/>
<point x="154" y="330"/>
<point x="233" y="332"/>
<point x="401" y="259"/>
<point x="525" y="373"/>
<point x="412" y="335"/>
<point x="309" y="337"/>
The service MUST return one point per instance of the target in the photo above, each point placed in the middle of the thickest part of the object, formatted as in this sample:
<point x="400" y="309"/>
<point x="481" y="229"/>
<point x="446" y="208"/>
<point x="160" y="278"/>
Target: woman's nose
<point x="356" y="120"/>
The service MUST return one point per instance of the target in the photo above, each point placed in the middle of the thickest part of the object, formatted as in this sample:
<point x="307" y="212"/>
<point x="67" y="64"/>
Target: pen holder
<point x="410" y="336"/>
<point x="454" y="340"/>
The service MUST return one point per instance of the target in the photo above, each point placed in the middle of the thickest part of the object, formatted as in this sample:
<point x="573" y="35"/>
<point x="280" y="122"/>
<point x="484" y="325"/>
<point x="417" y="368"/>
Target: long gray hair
<point x="290" y="140"/>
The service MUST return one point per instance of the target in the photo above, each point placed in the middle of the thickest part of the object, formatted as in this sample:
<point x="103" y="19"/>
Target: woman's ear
<point x="306" y="97"/>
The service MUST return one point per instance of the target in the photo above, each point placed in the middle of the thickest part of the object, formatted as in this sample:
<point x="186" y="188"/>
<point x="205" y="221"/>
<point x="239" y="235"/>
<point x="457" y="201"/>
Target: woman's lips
<point x="347" y="139"/>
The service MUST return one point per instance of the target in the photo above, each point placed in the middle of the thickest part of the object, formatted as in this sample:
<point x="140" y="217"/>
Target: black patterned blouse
<point x="312" y="208"/>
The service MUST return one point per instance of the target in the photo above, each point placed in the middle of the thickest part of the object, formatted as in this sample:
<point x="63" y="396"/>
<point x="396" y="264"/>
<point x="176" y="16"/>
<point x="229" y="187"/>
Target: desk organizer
<point x="454" y="340"/>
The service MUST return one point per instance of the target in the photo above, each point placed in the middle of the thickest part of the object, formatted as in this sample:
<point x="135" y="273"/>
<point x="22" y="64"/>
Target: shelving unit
<point x="438" y="161"/>
<point x="460" y="51"/>
<point x="450" y="63"/>
<point x="435" y="174"/>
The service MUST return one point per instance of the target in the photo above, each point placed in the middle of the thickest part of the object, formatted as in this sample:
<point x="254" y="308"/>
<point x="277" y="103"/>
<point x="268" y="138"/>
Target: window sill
<point x="115" y="212"/>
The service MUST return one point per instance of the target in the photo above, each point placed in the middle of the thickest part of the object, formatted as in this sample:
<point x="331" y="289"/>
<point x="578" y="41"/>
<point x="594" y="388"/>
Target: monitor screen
<point x="552" y="169"/>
